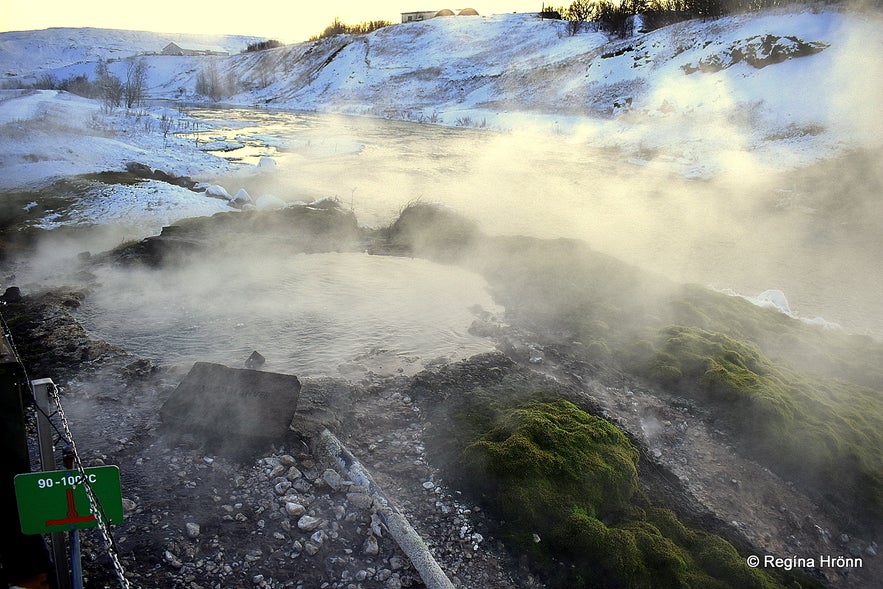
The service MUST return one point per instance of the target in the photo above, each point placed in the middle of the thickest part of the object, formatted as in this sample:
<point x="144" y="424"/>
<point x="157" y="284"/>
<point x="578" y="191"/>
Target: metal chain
<point x="94" y="505"/>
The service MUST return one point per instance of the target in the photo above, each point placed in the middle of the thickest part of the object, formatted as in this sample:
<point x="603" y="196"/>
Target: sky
<point x="285" y="20"/>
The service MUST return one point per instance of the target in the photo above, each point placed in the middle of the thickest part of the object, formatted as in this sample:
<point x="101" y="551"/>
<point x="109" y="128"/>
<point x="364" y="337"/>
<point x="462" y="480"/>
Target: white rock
<point x="359" y="500"/>
<point x="242" y="197"/>
<point x="774" y="299"/>
<point x="192" y="530"/>
<point x="215" y="191"/>
<point x="172" y="560"/>
<point x="332" y="479"/>
<point x="308" y="523"/>
<point x="370" y="547"/>
<point x="268" y="202"/>
<point x="294" y="509"/>
<point x="318" y="537"/>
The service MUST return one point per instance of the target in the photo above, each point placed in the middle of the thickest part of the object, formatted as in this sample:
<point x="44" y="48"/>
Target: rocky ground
<point x="205" y="515"/>
<point x="256" y="516"/>
<point x="278" y="517"/>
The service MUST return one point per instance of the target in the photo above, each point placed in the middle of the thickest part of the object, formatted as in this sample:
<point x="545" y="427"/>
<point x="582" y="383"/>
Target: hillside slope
<point x="27" y="54"/>
<point x="783" y="82"/>
<point x="783" y="88"/>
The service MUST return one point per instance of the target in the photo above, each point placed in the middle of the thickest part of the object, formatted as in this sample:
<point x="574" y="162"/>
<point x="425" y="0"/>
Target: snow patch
<point x="776" y="300"/>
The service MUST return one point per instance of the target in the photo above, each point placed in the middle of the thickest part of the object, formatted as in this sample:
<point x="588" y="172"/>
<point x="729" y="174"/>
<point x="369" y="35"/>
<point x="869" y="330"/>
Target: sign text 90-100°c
<point x="56" y="501"/>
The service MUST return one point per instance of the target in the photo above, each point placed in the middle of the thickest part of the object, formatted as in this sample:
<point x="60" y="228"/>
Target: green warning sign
<point x="56" y="500"/>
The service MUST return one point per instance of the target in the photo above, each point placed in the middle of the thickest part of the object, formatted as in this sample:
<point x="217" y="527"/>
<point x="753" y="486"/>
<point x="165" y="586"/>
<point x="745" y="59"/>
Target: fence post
<point x="48" y="462"/>
<point x="21" y="557"/>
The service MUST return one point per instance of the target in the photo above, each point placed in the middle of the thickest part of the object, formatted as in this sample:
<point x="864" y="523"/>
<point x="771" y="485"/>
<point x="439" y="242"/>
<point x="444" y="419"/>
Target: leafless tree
<point x="211" y="83"/>
<point x="136" y="79"/>
<point x="110" y="87"/>
<point x="579" y="12"/>
<point x="165" y="125"/>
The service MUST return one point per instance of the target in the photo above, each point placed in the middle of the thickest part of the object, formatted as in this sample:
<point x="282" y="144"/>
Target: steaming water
<point x="310" y="315"/>
<point x="748" y="230"/>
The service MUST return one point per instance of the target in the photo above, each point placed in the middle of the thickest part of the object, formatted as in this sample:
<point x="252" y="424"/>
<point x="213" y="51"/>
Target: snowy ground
<point x="653" y="97"/>
<point x="46" y="135"/>
<point x="519" y="73"/>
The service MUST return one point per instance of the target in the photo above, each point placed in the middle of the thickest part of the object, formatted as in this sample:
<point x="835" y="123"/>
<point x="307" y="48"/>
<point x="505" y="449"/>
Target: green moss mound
<point x="805" y="348"/>
<point x="806" y="426"/>
<point x="803" y="400"/>
<point x="553" y="470"/>
<point x="542" y="454"/>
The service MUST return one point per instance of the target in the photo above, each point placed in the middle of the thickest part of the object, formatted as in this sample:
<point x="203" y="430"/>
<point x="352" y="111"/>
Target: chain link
<point x="94" y="505"/>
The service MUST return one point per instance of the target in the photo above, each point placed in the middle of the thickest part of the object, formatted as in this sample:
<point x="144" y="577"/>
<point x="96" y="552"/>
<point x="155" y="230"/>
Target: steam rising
<point x="809" y="232"/>
<point x="309" y="315"/>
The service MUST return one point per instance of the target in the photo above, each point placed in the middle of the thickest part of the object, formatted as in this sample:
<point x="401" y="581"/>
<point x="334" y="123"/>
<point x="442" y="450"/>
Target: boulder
<point x="223" y="404"/>
<point x="163" y="176"/>
<point x="215" y="191"/>
<point x="255" y="360"/>
<point x="242" y="197"/>
<point x="11" y="295"/>
<point x="184" y="182"/>
<point x="139" y="170"/>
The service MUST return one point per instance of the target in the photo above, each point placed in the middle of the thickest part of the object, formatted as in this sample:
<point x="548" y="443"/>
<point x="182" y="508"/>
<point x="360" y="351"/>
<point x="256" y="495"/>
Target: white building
<point x="428" y="14"/>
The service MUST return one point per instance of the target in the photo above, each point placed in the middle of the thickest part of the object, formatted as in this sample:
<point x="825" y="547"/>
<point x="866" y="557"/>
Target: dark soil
<point x="400" y="429"/>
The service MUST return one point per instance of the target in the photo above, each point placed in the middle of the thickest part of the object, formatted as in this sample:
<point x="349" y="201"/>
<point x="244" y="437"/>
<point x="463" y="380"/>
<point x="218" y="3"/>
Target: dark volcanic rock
<point x="50" y="341"/>
<point x="222" y="402"/>
<point x="255" y="360"/>
<point x="163" y="176"/>
<point x="140" y="170"/>
<point x="758" y="52"/>
<point x="12" y="295"/>
<point x="306" y="229"/>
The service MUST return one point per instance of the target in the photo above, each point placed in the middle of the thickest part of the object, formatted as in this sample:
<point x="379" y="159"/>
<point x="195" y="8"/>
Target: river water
<point x="747" y="232"/>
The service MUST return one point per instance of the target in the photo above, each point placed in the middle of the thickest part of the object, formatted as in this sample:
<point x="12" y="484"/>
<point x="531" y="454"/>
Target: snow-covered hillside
<point x="782" y="88"/>
<point x="24" y="55"/>
<point x="796" y="85"/>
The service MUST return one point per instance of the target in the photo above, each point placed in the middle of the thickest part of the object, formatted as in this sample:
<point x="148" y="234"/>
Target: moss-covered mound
<point x="322" y="227"/>
<point x="433" y="232"/>
<point x="810" y="428"/>
<point x="806" y="348"/>
<point x="542" y="454"/>
<point x="557" y="472"/>
<point x="806" y="401"/>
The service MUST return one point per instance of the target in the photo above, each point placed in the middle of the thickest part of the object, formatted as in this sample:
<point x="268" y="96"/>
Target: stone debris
<point x="288" y="521"/>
